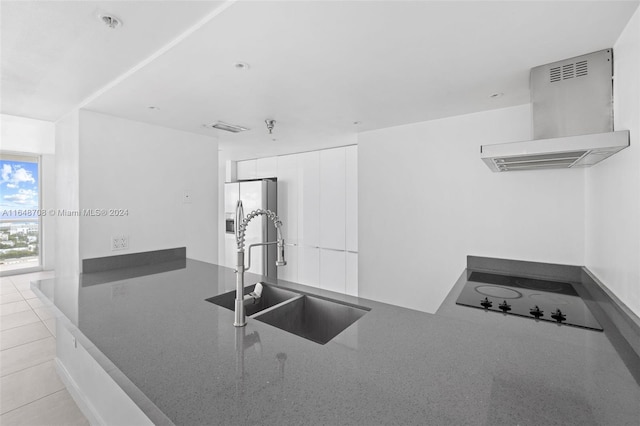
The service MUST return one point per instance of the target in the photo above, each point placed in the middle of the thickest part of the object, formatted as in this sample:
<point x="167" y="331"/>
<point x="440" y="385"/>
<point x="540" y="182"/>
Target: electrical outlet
<point x="120" y="242"/>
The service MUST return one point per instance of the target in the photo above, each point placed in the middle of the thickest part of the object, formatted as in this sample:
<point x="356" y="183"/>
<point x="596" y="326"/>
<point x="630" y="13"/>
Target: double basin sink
<point x="313" y="317"/>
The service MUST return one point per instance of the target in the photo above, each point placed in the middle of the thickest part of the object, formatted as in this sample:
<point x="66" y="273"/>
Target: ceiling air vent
<point x="233" y="128"/>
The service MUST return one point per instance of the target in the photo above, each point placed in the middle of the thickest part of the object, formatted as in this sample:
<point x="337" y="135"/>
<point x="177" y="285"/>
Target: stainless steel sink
<point x="271" y="296"/>
<point x="313" y="318"/>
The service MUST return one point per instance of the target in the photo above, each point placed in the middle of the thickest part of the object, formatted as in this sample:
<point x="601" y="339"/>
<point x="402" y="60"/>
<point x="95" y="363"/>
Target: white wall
<point x="613" y="186"/>
<point x="147" y="170"/>
<point x="426" y="201"/>
<point x="22" y="134"/>
<point x="26" y="135"/>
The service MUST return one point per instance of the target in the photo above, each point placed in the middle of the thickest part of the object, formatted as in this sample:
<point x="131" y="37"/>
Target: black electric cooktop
<point x="540" y="300"/>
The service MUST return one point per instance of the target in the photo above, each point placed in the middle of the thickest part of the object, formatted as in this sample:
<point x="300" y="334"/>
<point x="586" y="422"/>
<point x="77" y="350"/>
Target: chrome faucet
<point x="241" y="228"/>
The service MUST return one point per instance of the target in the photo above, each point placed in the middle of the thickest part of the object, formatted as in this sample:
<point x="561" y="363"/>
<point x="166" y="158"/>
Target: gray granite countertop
<point x="393" y="366"/>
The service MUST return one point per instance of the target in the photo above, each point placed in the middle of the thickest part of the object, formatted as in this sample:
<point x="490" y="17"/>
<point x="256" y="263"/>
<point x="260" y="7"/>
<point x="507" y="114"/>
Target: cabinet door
<point x="309" y="266"/>
<point x="288" y="187"/>
<point x="309" y="199"/>
<point x="352" y="274"/>
<point x="351" y="197"/>
<point x="266" y="167"/>
<point x="332" y="198"/>
<point x="333" y="270"/>
<point x="246" y="169"/>
<point x="289" y="272"/>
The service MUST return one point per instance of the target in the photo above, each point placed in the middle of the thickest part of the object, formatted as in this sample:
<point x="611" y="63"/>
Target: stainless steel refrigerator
<point x="255" y="194"/>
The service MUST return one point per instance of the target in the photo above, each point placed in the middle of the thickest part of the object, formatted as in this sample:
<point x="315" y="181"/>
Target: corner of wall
<point x="612" y="200"/>
<point x="67" y="145"/>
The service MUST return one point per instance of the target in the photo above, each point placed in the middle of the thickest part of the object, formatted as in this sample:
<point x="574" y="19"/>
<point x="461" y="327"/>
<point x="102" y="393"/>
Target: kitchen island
<point x="180" y="359"/>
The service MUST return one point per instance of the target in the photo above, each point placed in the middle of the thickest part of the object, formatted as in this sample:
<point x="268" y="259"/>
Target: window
<point x="20" y="225"/>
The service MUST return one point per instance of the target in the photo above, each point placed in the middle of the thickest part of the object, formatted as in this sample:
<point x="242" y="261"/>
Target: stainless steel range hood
<point x="572" y="111"/>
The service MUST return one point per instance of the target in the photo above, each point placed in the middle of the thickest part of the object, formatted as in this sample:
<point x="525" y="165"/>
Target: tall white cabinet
<point x="318" y="205"/>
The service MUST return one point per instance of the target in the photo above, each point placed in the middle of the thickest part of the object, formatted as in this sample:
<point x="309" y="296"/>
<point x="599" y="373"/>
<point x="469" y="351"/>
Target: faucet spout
<point x="241" y="228"/>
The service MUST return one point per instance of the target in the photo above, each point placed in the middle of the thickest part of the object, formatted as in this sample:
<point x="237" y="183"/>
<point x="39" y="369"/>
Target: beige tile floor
<point x="31" y="393"/>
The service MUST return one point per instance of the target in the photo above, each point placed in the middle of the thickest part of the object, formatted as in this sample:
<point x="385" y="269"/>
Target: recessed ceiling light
<point x="496" y="95"/>
<point x="241" y="66"/>
<point x="110" y="21"/>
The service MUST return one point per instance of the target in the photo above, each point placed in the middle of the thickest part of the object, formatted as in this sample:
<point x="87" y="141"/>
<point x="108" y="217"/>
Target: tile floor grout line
<point x="29" y="323"/>
<point x="26" y="368"/>
<point x="35" y="400"/>
<point x="32" y="341"/>
<point x="50" y="334"/>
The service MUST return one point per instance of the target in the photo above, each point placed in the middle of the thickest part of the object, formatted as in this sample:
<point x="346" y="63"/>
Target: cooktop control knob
<point x="536" y="312"/>
<point x="504" y="306"/>
<point x="558" y="316"/>
<point x="486" y="303"/>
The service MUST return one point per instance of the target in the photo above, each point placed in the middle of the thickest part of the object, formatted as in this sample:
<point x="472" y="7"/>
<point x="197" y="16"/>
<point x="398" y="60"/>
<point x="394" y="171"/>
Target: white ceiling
<point x="315" y="67"/>
<point x="54" y="54"/>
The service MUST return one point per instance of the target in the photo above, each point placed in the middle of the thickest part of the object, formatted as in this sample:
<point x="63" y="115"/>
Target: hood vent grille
<point x="567" y="71"/>
<point x="558" y="153"/>
<point x="572" y="117"/>
<point x="549" y="161"/>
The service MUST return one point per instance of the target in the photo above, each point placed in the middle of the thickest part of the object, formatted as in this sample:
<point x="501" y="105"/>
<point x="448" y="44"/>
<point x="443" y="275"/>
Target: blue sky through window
<point x="18" y="188"/>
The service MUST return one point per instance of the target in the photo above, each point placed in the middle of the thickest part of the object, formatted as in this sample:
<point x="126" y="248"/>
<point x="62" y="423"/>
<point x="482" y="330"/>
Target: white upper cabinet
<point x="247" y="169"/>
<point x="333" y="272"/>
<point x="309" y="199"/>
<point x="288" y="188"/>
<point x="266" y="167"/>
<point x="351" y="188"/>
<point x="332" y="198"/>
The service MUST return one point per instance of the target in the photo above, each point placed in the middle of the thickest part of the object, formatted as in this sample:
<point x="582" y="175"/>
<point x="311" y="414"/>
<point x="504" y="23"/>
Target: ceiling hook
<point x="270" y="124"/>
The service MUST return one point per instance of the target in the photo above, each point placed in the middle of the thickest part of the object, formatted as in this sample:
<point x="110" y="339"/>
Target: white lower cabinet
<point x="309" y="266"/>
<point x="289" y="272"/>
<point x="352" y="274"/>
<point x="332" y="199"/>
<point x="333" y="270"/>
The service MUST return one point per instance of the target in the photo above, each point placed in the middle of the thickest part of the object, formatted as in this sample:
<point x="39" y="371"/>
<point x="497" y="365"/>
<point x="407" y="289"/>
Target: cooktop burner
<point x="542" y="300"/>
